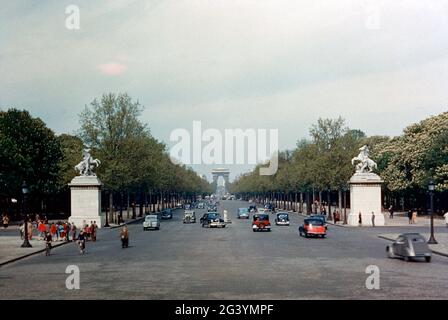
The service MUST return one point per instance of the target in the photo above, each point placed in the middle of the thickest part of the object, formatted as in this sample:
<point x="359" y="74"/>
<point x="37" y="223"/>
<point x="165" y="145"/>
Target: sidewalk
<point x="442" y="238"/>
<point x="10" y="242"/>
<point x="400" y="220"/>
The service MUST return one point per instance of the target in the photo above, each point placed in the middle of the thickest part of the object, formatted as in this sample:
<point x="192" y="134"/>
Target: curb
<point x="432" y="250"/>
<point x="32" y="253"/>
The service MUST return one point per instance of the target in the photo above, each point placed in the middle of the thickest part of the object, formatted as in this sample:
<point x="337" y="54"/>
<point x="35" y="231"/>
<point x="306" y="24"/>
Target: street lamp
<point x="431" y="187"/>
<point x="26" y="243"/>
<point x="344" y="189"/>
<point x="106" y="225"/>
<point x="329" y="204"/>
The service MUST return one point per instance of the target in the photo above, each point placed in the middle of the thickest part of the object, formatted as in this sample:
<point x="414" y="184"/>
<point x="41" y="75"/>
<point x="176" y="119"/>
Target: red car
<point x="261" y="222"/>
<point x="313" y="227"/>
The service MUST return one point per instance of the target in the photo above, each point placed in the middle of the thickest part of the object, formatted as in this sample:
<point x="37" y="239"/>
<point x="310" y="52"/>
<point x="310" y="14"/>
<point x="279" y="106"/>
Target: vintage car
<point x="260" y="222"/>
<point x="269" y="207"/>
<point x="189" y="216"/>
<point x="409" y="246"/>
<point x="312" y="227"/>
<point x="151" y="222"/>
<point x="321" y="217"/>
<point x="166" y="214"/>
<point x="282" y="219"/>
<point x="243" y="213"/>
<point x="212" y="220"/>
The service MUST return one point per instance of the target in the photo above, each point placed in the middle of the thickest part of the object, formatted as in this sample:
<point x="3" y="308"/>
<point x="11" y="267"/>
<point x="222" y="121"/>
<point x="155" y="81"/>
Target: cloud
<point x="112" y="68"/>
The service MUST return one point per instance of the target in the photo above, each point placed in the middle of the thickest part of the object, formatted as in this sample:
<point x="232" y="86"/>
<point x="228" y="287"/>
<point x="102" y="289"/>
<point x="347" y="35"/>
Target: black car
<point x="166" y="214"/>
<point x="270" y="207"/>
<point x="212" y="219"/>
<point x="253" y="208"/>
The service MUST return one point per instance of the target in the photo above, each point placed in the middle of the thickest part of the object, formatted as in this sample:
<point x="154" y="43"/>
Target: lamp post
<point x="344" y="189"/>
<point x="329" y="204"/>
<point x="106" y="225"/>
<point x="26" y="243"/>
<point x="431" y="187"/>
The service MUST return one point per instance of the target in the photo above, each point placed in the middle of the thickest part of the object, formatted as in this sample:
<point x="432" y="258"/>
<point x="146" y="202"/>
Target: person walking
<point x="41" y="229"/>
<point x="5" y="221"/>
<point x="360" y="219"/>
<point x="22" y="231"/>
<point x="446" y="218"/>
<point x="53" y="230"/>
<point x="30" y="231"/>
<point x="414" y="216"/>
<point x="93" y="232"/>
<point x="410" y="216"/>
<point x="373" y="219"/>
<point x="391" y="212"/>
<point x="73" y="231"/>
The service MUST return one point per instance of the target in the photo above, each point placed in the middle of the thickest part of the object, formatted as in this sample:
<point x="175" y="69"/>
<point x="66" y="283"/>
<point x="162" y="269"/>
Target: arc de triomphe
<point x="221" y="172"/>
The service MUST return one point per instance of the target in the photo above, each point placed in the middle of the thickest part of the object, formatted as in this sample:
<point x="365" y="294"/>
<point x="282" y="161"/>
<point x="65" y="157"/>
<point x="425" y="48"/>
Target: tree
<point x="29" y="151"/>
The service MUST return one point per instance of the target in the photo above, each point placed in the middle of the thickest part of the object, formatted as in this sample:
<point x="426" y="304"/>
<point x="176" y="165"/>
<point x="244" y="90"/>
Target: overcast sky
<point x="381" y="65"/>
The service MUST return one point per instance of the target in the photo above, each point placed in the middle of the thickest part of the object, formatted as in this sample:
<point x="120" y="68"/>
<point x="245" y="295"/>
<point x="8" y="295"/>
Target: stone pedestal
<point x="365" y="197"/>
<point x="85" y="194"/>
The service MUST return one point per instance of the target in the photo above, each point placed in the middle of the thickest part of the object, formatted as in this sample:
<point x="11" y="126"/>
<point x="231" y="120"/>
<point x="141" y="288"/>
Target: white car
<point x="151" y="222"/>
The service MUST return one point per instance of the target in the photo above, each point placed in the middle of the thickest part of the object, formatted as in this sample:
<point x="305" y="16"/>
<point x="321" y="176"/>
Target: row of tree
<point x="320" y="167"/>
<point x="134" y="166"/>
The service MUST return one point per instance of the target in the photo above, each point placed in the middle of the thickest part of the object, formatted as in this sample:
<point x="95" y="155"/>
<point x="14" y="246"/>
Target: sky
<point x="280" y="64"/>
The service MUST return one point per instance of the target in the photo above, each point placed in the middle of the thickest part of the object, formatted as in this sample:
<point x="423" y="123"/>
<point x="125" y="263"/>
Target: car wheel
<point x="407" y="259"/>
<point x="390" y="252"/>
<point x="428" y="259"/>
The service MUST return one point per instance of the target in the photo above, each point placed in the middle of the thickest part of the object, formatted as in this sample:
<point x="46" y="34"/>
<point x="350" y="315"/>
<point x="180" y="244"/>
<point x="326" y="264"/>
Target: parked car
<point x="409" y="246"/>
<point x="321" y="217"/>
<point x="166" y="214"/>
<point x="252" y="208"/>
<point x="189" y="216"/>
<point x="260" y="222"/>
<point x="282" y="219"/>
<point x="243" y="213"/>
<point x="312" y="227"/>
<point x="212" y="220"/>
<point x="151" y="222"/>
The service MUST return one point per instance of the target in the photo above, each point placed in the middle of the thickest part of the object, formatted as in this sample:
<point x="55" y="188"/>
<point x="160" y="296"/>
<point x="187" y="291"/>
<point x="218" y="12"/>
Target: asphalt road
<point x="185" y="261"/>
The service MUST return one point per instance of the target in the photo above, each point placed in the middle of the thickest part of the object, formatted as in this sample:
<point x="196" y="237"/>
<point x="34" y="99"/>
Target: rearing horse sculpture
<point x="365" y="163"/>
<point x="86" y="166"/>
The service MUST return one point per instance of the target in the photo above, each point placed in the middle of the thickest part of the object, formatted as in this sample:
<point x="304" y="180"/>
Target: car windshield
<point x="283" y="216"/>
<point x="150" y="218"/>
<point x="262" y="217"/>
<point x="243" y="210"/>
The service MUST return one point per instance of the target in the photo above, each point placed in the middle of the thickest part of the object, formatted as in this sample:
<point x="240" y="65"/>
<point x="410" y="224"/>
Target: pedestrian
<point x="73" y="231"/>
<point x="373" y="219"/>
<point x="92" y="232"/>
<point x="446" y="218"/>
<point x="22" y="231"/>
<point x="67" y="231"/>
<point x="53" y="230"/>
<point x="360" y="218"/>
<point x="5" y="221"/>
<point x="410" y="216"/>
<point x="30" y="231"/>
<point x="41" y="229"/>
<point x="414" y="216"/>
<point x="391" y="212"/>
